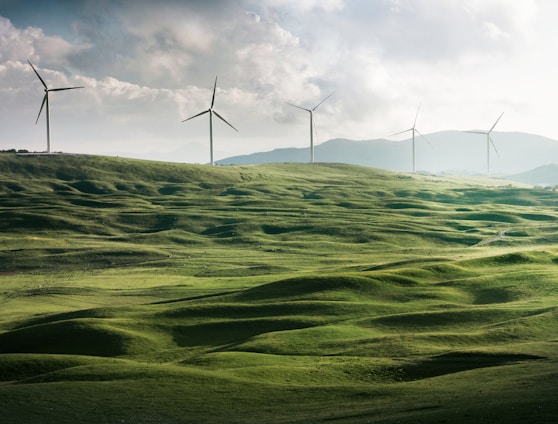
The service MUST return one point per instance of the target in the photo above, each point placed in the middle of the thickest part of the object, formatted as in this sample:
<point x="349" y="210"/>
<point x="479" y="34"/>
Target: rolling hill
<point x="140" y="291"/>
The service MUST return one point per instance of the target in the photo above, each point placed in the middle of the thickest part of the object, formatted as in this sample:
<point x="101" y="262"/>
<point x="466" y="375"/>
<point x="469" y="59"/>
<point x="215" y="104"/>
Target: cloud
<point x="296" y="6"/>
<point x="424" y="30"/>
<point x="31" y="43"/>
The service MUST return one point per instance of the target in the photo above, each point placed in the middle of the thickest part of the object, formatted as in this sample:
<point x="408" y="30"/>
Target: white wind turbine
<point x="45" y="101"/>
<point x="488" y="143"/>
<point x="311" y="111"/>
<point x="414" y="130"/>
<point x="211" y="112"/>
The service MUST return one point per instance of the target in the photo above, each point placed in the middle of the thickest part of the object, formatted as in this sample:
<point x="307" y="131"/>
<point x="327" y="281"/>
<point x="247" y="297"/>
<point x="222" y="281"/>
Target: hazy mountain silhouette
<point x="546" y="175"/>
<point x="452" y="152"/>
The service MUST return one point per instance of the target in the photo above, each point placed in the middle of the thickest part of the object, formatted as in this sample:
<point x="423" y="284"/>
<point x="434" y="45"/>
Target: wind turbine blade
<point x="423" y="136"/>
<point x="316" y="107"/>
<point x="299" y="107"/>
<point x="225" y="121"/>
<point x="195" y="116"/>
<point x="476" y="132"/>
<point x="401" y="132"/>
<point x="41" y="109"/>
<point x="214" y="88"/>
<point x="493" y="145"/>
<point x="416" y="116"/>
<point x="36" y="73"/>
<point x="489" y="131"/>
<point x="66" y="88"/>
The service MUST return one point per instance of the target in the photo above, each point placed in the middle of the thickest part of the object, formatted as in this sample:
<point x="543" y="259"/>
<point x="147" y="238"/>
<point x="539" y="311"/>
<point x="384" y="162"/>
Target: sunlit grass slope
<point x="141" y="292"/>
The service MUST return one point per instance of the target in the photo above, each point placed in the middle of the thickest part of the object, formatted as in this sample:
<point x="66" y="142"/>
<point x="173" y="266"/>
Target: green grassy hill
<point x="141" y="292"/>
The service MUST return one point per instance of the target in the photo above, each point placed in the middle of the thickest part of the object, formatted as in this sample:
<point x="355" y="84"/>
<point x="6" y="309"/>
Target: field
<point x="145" y="292"/>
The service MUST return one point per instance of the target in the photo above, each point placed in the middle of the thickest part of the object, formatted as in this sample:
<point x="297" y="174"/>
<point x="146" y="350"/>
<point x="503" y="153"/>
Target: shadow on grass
<point x="227" y="332"/>
<point x="72" y="337"/>
<point x="454" y="362"/>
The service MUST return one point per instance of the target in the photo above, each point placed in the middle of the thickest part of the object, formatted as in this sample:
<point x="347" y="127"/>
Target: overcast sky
<point x="147" y="65"/>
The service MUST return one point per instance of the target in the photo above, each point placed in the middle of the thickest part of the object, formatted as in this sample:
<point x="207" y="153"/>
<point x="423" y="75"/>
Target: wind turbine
<point x="488" y="143"/>
<point x="414" y="130"/>
<point x="45" y="100"/>
<point x="311" y="111"/>
<point x="211" y="112"/>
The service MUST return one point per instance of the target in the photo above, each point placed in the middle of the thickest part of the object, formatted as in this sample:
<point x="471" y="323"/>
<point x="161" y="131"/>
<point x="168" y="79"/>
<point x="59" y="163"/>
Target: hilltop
<point x="146" y="204"/>
<point x="142" y="291"/>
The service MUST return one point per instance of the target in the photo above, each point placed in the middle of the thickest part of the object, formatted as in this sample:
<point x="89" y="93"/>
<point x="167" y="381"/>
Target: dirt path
<point x="499" y="237"/>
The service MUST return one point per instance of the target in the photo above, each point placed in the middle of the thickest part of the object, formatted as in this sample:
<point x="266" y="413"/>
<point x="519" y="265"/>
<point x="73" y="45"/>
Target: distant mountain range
<point x="446" y="152"/>
<point x="546" y="175"/>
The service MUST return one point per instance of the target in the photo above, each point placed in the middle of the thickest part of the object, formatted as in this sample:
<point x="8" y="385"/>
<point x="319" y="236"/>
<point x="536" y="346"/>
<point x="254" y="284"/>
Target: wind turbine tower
<point x="312" y="127"/>
<point x="211" y="111"/>
<point x="45" y="101"/>
<point x="414" y="131"/>
<point x="488" y="143"/>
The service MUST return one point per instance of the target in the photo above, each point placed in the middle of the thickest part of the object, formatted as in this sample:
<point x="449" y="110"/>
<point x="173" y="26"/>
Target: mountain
<point x="374" y="153"/>
<point x="546" y="175"/>
<point x="452" y="152"/>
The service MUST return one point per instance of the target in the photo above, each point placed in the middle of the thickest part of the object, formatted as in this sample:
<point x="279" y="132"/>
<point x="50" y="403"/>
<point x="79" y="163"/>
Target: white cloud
<point x="304" y="6"/>
<point x="15" y="43"/>
<point x="31" y="43"/>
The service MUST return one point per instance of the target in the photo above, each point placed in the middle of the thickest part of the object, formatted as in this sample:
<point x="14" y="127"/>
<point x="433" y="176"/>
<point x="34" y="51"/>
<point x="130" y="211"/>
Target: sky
<point x="148" y="65"/>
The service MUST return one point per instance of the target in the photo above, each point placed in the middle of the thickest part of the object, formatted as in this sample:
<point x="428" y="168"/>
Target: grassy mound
<point x="74" y="337"/>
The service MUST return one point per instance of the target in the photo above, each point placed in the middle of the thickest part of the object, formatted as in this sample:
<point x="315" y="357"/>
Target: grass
<point x="137" y="291"/>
